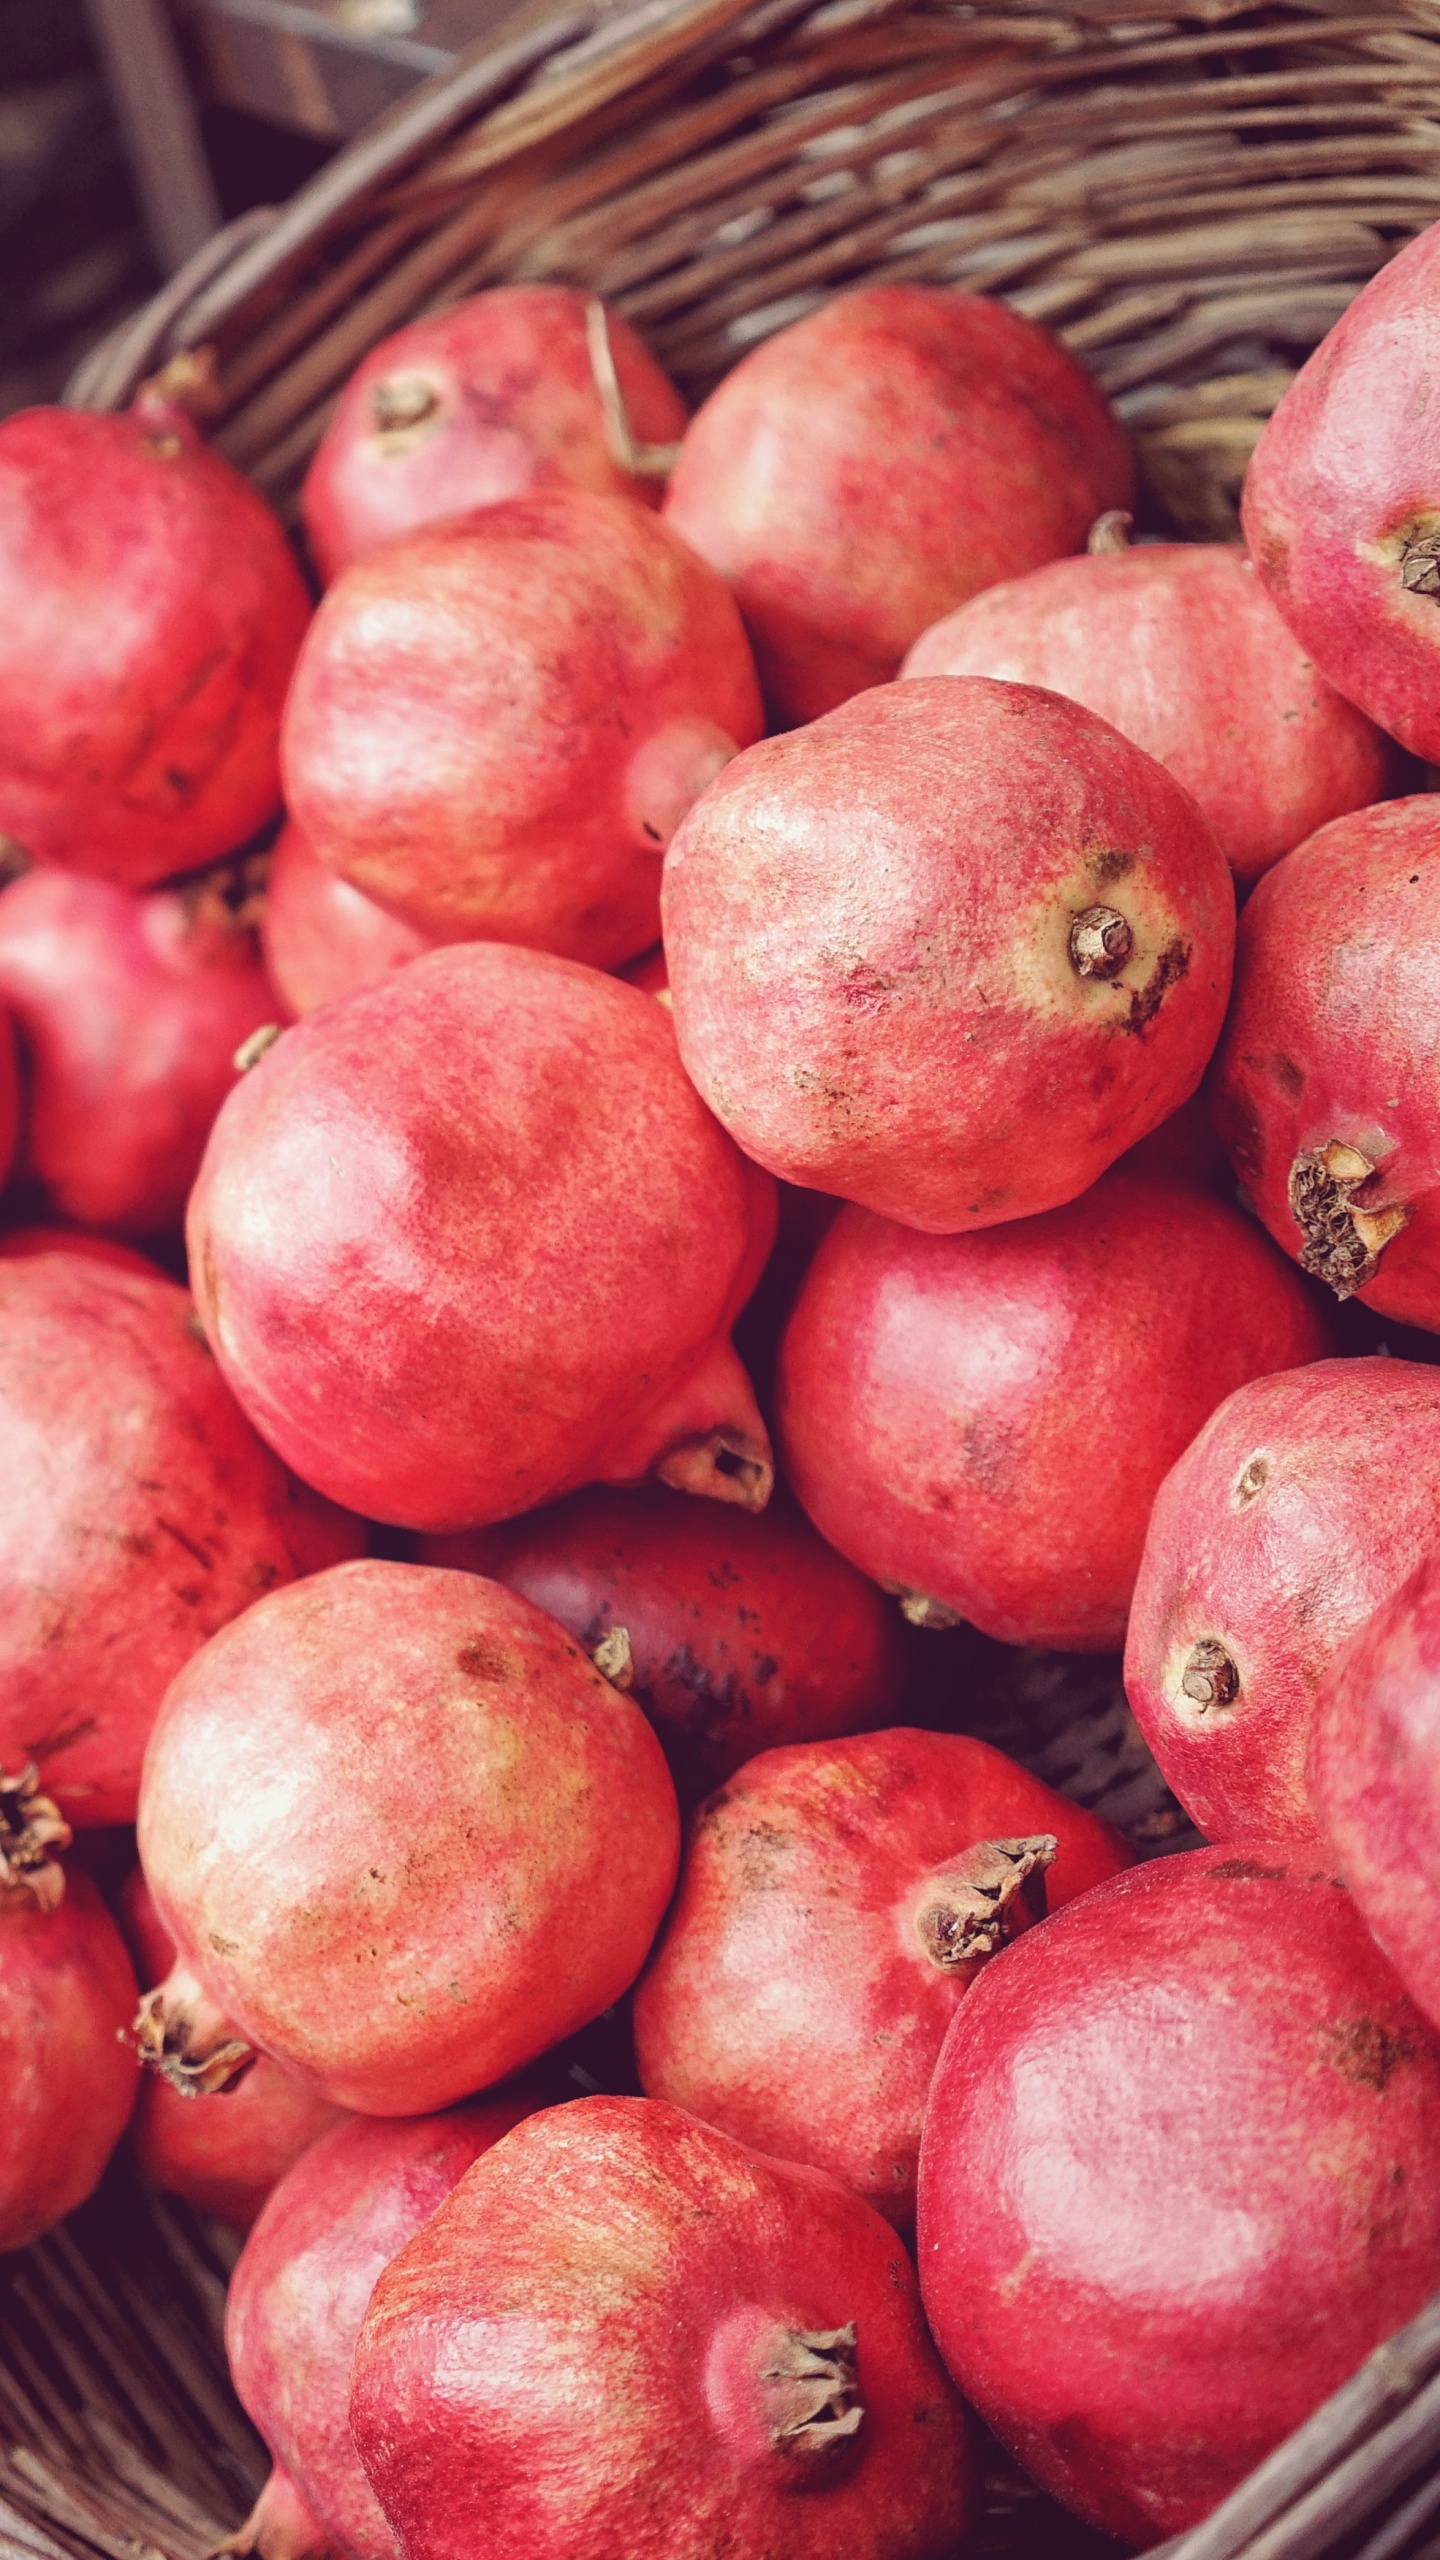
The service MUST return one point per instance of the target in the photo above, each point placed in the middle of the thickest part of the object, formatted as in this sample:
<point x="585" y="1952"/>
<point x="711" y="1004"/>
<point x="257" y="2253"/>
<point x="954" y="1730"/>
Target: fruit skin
<point x="1180" y="2173"/>
<point x="497" y="723"/>
<point x="152" y="614"/>
<point x="322" y="938"/>
<point x="469" y="1241"/>
<point x="1343" y="480"/>
<point x="538" y="1844"/>
<point x="584" y="2325"/>
<point x="1332" y="1042"/>
<point x="869" y="468"/>
<point x="1179" y="647"/>
<point x="21" y="1244"/>
<point x="792" y="2000"/>
<point x="868" y="925"/>
<point x="140" y="1513"/>
<point x="943" y="1398"/>
<point x="515" y="407"/>
<point x="67" y="1996"/>
<point x="744" y="1633"/>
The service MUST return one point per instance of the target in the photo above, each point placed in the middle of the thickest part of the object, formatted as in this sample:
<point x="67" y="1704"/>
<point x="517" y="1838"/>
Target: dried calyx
<point x="921" y="1611"/>
<point x="32" y="1831"/>
<point x="726" y="1465"/>
<point x="1343" y="1242"/>
<point x="402" y="404"/>
<point x="974" y="1906"/>
<point x="811" y="2392"/>
<point x="613" y="1658"/>
<point x="184" y="2035"/>
<point x="1420" y="565"/>
<point x="1210" y="1678"/>
<point x="1100" y="942"/>
<point x="1110" y="532"/>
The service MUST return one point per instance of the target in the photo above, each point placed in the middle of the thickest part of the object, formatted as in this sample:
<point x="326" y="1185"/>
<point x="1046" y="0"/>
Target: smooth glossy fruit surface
<point x="67" y="1996"/>
<point x="322" y="938"/>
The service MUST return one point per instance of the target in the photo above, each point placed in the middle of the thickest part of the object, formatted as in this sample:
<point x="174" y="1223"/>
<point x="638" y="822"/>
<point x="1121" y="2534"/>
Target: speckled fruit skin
<point x="67" y="1996"/>
<point x="1180" y="2173"/>
<point x="868" y="469"/>
<point x="497" y="723"/>
<point x="538" y="1848"/>
<point x="512" y="406"/>
<point x="744" y="1633"/>
<point x="791" y="2000"/>
<point x="1179" y="647"/>
<point x="151" y="616"/>
<point x="1334" y="1036"/>
<point x="140" y="1512"/>
<point x="868" y="930"/>
<point x="1344" y="478"/>
<point x="943" y="1400"/>
<point x="584" y="2326"/>
<point x="470" y="1240"/>
<point x="322" y="938"/>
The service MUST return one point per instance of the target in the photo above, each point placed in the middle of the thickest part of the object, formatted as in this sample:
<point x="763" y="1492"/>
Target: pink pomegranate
<point x="498" y="723"/>
<point x="732" y="1633"/>
<point x="151" y="616"/>
<point x="469" y="1241"/>
<point x="22" y="1244"/>
<point x="139" y="1513"/>
<point x="836" y="1903"/>
<point x="497" y="396"/>
<point x="1327" y="1082"/>
<point x="872" y="466"/>
<point x="1340" y="504"/>
<point x="475" y="1840"/>
<point x="981" y="1422"/>
<point x="947" y="953"/>
<point x="130" y="1011"/>
<point x="1178" y="645"/>
<point x="625" y="2335"/>
<point x="1180" y="2173"/>
<point x="321" y="937"/>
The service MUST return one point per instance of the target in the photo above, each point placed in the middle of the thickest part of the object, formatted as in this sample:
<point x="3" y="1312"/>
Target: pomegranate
<point x="625" y="2335"/>
<point x="472" y="1844"/>
<point x="837" y="1901"/>
<point x="947" y="953"/>
<point x="499" y="395"/>
<point x="21" y="1244"/>
<point x="943" y="1398"/>
<point x="1327" y="1083"/>
<point x="139" y="1513"/>
<point x="469" y="1241"/>
<point x="1180" y="2173"/>
<point x="878" y="462"/>
<point x="732" y="1633"/>
<point x="1178" y="645"/>
<point x="130" y="1010"/>
<point x="498" y="723"/>
<point x="152" y="614"/>
<point x="321" y="937"/>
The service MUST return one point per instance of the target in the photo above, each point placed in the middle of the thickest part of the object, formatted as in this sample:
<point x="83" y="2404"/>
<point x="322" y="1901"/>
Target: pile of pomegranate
<point x="691" y="1012"/>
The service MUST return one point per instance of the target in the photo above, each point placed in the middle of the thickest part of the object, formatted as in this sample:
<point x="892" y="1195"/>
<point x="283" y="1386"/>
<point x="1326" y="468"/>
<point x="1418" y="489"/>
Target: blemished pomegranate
<point x="497" y="723"/>
<point x="322" y="938"/>
<point x="1180" y="2173"/>
<point x="982" y="1422"/>
<point x="837" y="1901"/>
<point x="152" y="614"/>
<point x="624" y="2334"/>
<point x="478" y="1839"/>
<point x="738" y="1633"/>
<point x="870" y="467"/>
<point x="139" y="1512"/>
<point x="485" y="401"/>
<point x="470" y="1240"/>
<point x="1327" y="1081"/>
<point x="1178" y="645"/>
<point x="1304" y="1503"/>
<point x="948" y="952"/>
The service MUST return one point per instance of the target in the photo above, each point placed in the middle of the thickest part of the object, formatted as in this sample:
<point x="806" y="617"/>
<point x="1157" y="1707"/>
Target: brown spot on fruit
<point x="1362" y="2050"/>
<point x="1169" y="969"/>
<point x="480" y="1660"/>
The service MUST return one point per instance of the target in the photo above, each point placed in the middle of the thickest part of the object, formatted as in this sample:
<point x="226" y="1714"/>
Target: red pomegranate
<point x="473" y="1843"/>
<point x="948" y="952"/>
<point x="151" y="616"/>
<point x="738" y="1633"/>
<point x="1327" y="1082"/>
<point x="1178" y="645"/>
<point x="625" y="2335"/>
<point x="21" y="1244"/>
<point x="874" y="465"/>
<point x="321" y="937"/>
<point x="1180" y="2173"/>
<point x="981" y="1422"/>
<point x="469" y="1241"/>
<point x="485" y="401"/>
<point x="139" y="1513"/>
<point x="836" y="1903"/>
<point x="498" y="723"/>
<point x="1340" y="501"/>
